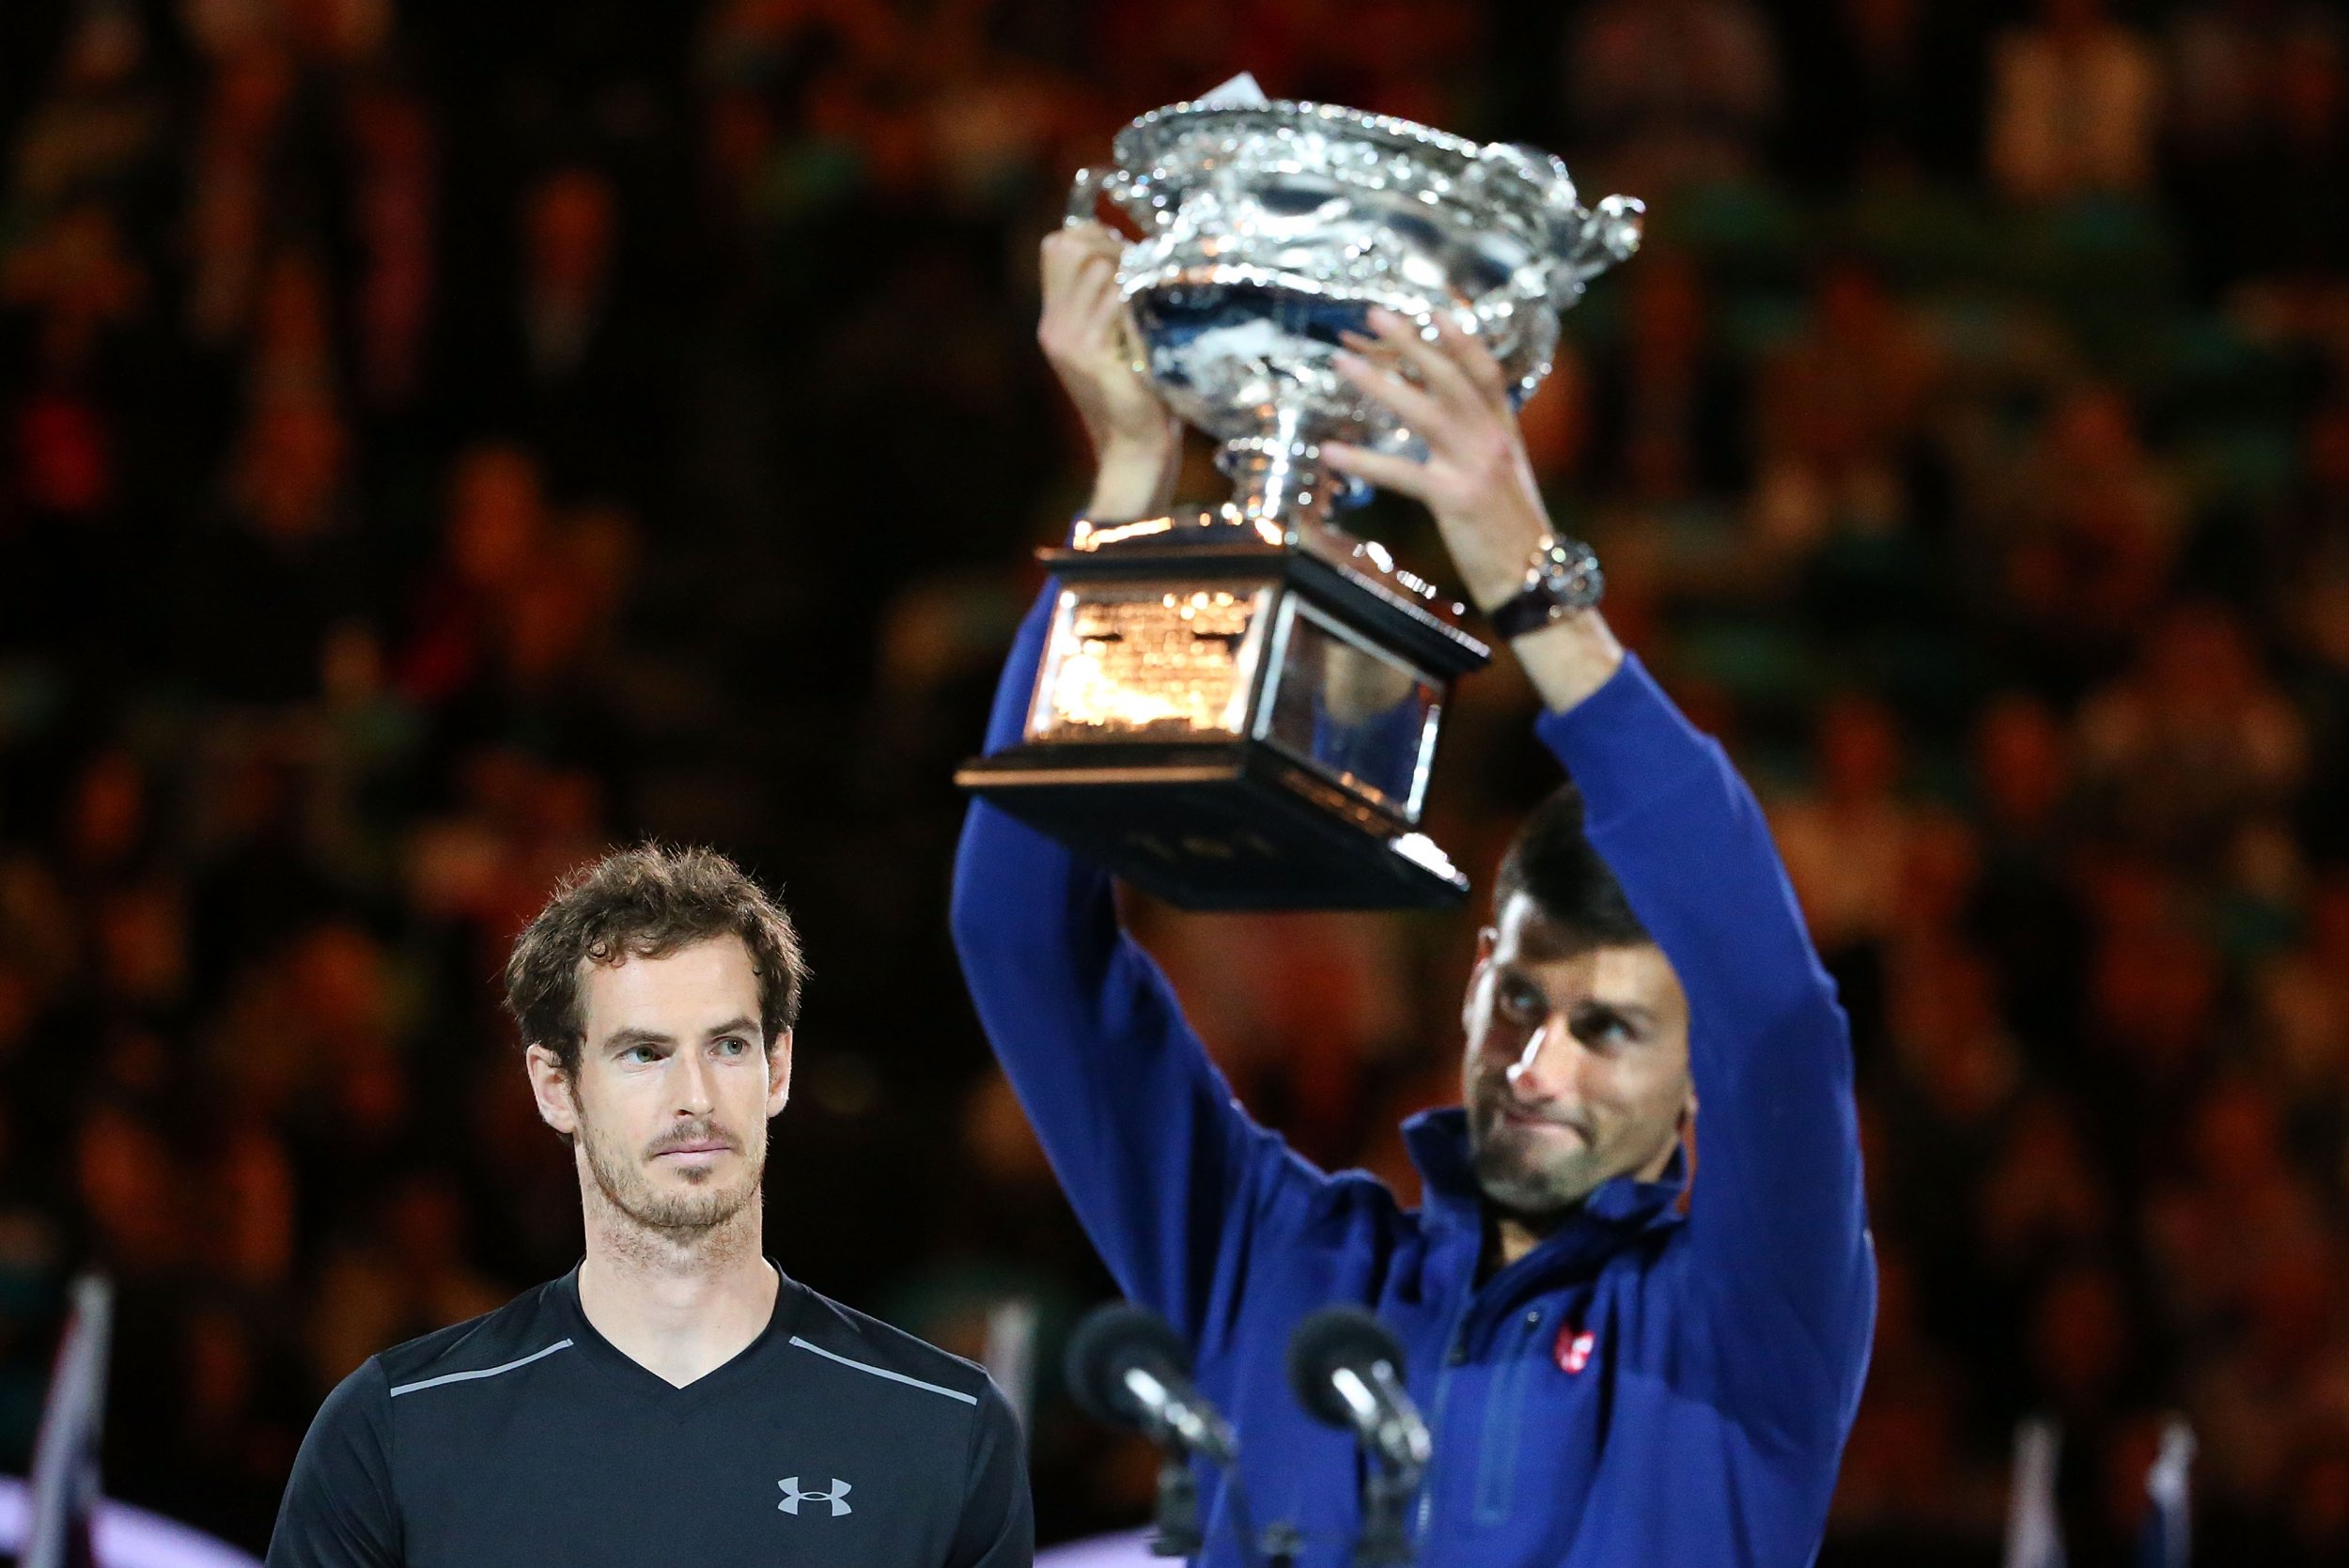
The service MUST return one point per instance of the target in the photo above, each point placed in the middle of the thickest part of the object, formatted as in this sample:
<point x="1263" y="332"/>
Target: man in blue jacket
<point x="1622" y="1365"/>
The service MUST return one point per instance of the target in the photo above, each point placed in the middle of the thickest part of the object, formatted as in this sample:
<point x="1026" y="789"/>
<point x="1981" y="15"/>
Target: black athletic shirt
<point x="525" y="1438"/>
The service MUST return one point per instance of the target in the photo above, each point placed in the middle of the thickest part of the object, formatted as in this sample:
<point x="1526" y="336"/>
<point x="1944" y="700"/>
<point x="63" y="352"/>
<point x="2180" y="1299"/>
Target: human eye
<point x="640" y="1056"/>
<point x="1605" y="1027"/>
<point x="1521" y="1002"/>
<point x="733" y="1044"/>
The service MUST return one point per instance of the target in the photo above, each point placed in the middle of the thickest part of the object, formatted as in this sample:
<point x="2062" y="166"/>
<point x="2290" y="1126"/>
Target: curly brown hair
<point x="645" y="902"/>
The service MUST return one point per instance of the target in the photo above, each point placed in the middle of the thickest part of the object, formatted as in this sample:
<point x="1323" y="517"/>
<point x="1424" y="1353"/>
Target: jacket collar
<point x="1613" y="1214"/>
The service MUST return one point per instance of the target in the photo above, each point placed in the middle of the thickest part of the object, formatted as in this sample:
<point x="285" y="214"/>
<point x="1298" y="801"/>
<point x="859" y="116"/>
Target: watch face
<point x="1565" y="578"/>
<point x="1573" y="576"/>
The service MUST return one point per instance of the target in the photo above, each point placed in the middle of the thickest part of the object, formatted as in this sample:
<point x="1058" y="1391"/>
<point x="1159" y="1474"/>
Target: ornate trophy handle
<point x="1610" y="234"/>
<point x="1105" y="180"/>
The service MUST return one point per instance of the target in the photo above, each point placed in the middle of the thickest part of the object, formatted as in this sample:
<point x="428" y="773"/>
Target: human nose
<point x="694" y="1096"/>
<point x="1550" y="1065"/>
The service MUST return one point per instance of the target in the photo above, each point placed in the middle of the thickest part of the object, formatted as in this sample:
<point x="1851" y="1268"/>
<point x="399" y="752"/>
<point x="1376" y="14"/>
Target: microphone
<point x="1346" y="1370"/>
<point x="1127" y="1367"/>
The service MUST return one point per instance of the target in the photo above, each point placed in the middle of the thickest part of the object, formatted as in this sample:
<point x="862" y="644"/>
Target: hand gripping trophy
<point x="1239" y="705"/>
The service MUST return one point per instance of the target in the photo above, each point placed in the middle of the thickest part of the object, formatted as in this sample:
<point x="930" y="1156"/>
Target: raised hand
<point x="1477" y="478"/>
<point x="1085" y="334"/>
<point x="1478" y="483"/>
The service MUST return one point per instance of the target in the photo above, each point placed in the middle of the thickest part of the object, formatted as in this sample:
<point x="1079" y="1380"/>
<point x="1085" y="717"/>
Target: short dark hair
<point x="645" y="902"/>
<point x="1551" y="860"/>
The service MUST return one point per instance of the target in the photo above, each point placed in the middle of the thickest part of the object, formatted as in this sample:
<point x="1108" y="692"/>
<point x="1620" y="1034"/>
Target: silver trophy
<point x="1239" y="705"/>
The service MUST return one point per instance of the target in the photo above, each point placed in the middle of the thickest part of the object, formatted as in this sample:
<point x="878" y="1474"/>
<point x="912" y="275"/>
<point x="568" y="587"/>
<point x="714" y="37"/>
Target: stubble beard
<point x="1516" y="1177"/>
<point x="704" y="1204"/>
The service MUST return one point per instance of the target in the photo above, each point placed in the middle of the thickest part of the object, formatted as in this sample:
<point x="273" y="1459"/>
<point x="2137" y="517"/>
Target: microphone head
<point x="1111" y="1338"/>
<point x="1332" y="1338"/>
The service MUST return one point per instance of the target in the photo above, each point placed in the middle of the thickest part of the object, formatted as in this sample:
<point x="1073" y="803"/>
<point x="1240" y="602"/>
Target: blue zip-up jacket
<point x="1658" y="1384"/>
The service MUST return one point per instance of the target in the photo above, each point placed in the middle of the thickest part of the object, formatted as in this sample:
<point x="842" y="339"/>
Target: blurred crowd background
<point x="440" y="439"/>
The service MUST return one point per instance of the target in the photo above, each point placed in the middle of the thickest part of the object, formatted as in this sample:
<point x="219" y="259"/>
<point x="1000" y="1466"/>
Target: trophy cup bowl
<point x="1239" y="705"/>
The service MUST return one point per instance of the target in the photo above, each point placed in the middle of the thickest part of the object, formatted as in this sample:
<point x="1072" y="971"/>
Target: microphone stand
<point x="1346" y="1370"/>
<point x="1386" y="1541"/>
<point x="1127" y="1367"/>
<point x="1180" y="1435"/>
<point x="1397" y="1457"/>
<point x="1281" y="1545"/>
<point x="1176" y="1529"/>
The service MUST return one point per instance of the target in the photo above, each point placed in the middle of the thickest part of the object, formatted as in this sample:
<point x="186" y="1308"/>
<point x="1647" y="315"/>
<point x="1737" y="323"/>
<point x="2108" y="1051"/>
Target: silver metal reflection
<point x="1269" y="229"/>
<point x="1351" y="710"/>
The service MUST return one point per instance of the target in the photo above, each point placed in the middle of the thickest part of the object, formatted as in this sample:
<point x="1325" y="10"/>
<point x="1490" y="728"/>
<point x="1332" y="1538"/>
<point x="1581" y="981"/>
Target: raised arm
<point x="1170" y="1178"/>
<point x="1777" y="1216"/>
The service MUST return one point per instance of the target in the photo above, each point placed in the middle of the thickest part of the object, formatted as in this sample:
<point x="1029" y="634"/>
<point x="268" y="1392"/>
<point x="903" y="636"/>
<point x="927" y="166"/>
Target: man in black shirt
<point x="674" y="1397"/>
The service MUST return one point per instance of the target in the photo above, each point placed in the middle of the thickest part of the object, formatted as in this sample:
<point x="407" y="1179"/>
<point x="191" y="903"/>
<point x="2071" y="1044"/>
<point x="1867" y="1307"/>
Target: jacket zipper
<point x="1504" y="1409"/>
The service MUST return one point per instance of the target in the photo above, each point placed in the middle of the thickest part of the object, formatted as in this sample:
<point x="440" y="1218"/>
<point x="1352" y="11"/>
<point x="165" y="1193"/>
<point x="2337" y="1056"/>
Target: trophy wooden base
<point x="1230" y="827"/>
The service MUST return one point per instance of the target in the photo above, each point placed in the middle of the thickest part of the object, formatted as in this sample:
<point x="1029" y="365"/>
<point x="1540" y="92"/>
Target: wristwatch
<point x="1563" y="577"/>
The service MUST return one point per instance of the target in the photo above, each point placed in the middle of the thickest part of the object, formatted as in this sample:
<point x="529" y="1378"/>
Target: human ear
<point x="779" y="1074"/>
<point x="551" y="1087"/>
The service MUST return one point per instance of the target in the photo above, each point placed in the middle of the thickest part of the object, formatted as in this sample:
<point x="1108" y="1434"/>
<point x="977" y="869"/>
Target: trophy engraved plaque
<point x="1238" y="706"/>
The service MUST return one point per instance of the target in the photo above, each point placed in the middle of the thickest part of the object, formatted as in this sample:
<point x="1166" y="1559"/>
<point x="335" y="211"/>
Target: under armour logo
<point x="793" y="1497"/>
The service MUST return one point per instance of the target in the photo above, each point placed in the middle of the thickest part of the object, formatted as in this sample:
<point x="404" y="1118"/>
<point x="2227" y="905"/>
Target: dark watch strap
<point x="1562" y="577"/>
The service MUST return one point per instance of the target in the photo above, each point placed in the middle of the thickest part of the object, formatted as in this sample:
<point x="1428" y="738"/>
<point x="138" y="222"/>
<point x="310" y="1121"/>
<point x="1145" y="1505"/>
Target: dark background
<point x="439" y="439"/>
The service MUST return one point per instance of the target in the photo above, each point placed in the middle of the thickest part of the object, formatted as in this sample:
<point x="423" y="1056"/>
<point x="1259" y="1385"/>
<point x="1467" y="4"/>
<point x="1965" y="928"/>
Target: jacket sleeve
<point x="1784" y="1270"/>
<point x="1170" y="1179"/>
<point x="339" y="1510"/>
